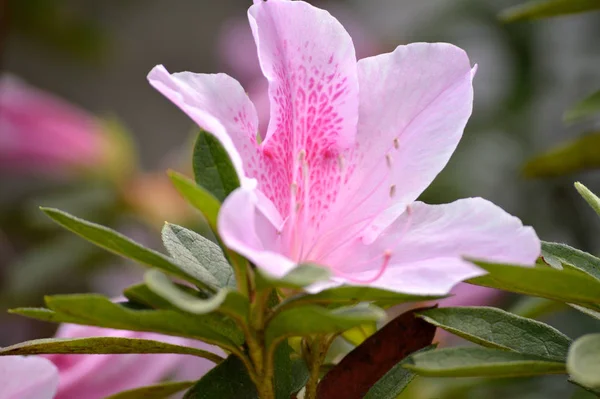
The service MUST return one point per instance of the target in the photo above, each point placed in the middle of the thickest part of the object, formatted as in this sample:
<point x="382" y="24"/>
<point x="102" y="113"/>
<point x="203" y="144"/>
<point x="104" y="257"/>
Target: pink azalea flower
<point x="349" y="148"/>
<point x="42" y="133"/>
<point x="98" y="376"/>
<point x="30" y="377"/>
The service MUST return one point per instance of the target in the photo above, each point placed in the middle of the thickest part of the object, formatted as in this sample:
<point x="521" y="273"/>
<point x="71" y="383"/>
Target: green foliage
<point x="198" y="197"/>
<point x="311" y="319"/>
<point x="535" y="9"/>
<point x="101" y="345"/>
<point x="583" y="362"/>
<point x="226" y="300"/>
<point x="96" y="310"/>
<point x="480" y="362"/>
<point x="290" y="371"/>
<point x="577" y="155"/>
<point x="213" y="169"/>
<point x="496" y="328"/>
<point x="199" y="254"/>
<point x="586" y="107"/>
<point x="301" y="276"/>
<point x="572" y="257"/>
<point x="229" y="380"/>
<point x="589" y="197"/>
<point x="119" y="244"/>
<point x="566" y="285"/>
<point x="158" y="391"/>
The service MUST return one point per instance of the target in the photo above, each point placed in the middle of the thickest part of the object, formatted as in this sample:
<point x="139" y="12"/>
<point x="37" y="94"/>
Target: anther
<point x="302" y="155"/>
<point x="392" y="190"/>
<point x="294" y="187"/>
<point x="396" y="143"/>
<point x="388" y="160"/>
<point x="341" y="162"/>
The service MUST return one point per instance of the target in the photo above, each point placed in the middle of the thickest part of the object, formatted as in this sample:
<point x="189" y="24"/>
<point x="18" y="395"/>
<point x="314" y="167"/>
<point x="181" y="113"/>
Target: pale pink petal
<point x="427" y="245"/>
<point x="471" y="295"/>
<point x="98" y="376"/>
<point x="28" y="377"/>
<point x="219" y="105"/>
<point x="250" y="225"/>
<point x="414" y="105"/>
<point x="309" y="60"/>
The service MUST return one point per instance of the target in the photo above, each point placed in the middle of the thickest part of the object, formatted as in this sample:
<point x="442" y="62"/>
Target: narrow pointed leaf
<point x="589" y="197"/>
<point x="583" y="363"/>
<point x="213" y="169"/>
<point x="571" y="256"/>
<point x="159" y="391"/>
<point x="496" y="328"/>
<point x="291" y="373"/>
<point x="590" y="312"/>
<point x="561" y="285"/>
<point x="190" y="248"/>
<point x="360" y="369"/>
<point x="228" y="380"/>
<point x="534" y="9"/>
<point x="534" y="308"/>
<point x="119" y="244"/>
<point x="574" y="156"/>
<point x="96" y="310"/>
<point x="586" y="107"/>
<point x="198" y="197"/>
<point x="311" y="319"/>
<point x="480" y="362"/>
<point x="101" y="345"/>
<point x="227" y="301"/>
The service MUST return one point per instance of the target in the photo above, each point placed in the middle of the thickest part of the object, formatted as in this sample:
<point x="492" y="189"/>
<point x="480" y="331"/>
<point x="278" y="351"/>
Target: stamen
<point x="396" y="143"/>
<point x="392" y="190"/>
<point x="388" y="160"/>
<point x="341" y="162"/>
<point x="294" y="187"/>
<point x="387" y="255"/>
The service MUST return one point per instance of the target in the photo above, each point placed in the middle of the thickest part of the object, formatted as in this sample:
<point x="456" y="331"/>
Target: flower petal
<point x="414" y="105"/>
<point x="428" y="242"/>
<point x="219" y="105"/>
<point x="29" y="377"/>
<point x="250" y="225"/>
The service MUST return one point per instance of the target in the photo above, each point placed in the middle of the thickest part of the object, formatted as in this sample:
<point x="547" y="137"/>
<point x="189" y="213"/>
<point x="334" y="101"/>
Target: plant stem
<point x="318" y="350"/>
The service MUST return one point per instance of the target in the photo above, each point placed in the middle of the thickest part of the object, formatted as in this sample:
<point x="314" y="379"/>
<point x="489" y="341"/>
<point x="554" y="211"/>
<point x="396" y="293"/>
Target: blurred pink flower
<point x="471" y="295"/>
<point x="336" y="177"/>
<point x="40" y="133"/>
<point x="30" y="377"/>
<point x="98" y="376"/>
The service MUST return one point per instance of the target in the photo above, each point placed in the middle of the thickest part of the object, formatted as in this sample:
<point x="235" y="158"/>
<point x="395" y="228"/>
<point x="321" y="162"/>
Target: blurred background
<point x="83" y="131"/>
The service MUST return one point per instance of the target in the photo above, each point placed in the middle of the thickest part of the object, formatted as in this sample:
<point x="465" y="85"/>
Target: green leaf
<point x="291" y="373"/>
<point x="141" y="294"/>
<point x="311" y="319"/>
<point x="548" y="8"/>
<point x="394" y="382"/>
<point x="574" y="156"/>
<point x="355" y="294"/>
<point x="584" y="108"/>
<point x="567" y="255"/>
<point x="590" y="312"/>
<point x="534" y="308"/>
<point x="198" y="197"/>
<point x="561" y="285"/>
<point x="213" y="169"/>
<point x="496" y="328"/>
<point x="589" y="197"/>
<point x="119" y="244"/>
<point x="227" y="301"/>
<point x="101" y="345"/>
<point x="190" y="248"/>
<point x="359" y="334"/>
<point x="163" y="390"/>
<point x="480" y="362"/>
<point x="299" y="277"/>
<point x="228" y="380"/>
<point x="583" y="362"/>
<point x="96" y="310"/>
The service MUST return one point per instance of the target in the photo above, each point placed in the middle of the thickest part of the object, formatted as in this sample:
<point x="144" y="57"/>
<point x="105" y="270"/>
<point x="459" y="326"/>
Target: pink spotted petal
<point x="414" y="105"/>
<point x="29" y="377"/>
<point x="250" y="225"/>
<point x="309" y="60"/>
<point x="219" y="105"/>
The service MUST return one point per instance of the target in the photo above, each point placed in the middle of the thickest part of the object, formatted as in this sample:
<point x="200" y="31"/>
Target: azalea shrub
<point x="322" y="275"/>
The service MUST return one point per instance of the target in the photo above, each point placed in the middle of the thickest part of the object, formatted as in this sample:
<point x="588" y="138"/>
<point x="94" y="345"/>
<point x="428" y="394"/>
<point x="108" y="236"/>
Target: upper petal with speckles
<point x="414" y="105"/>
<point x="219" y="105"/>
<point x="309" y="60"/>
